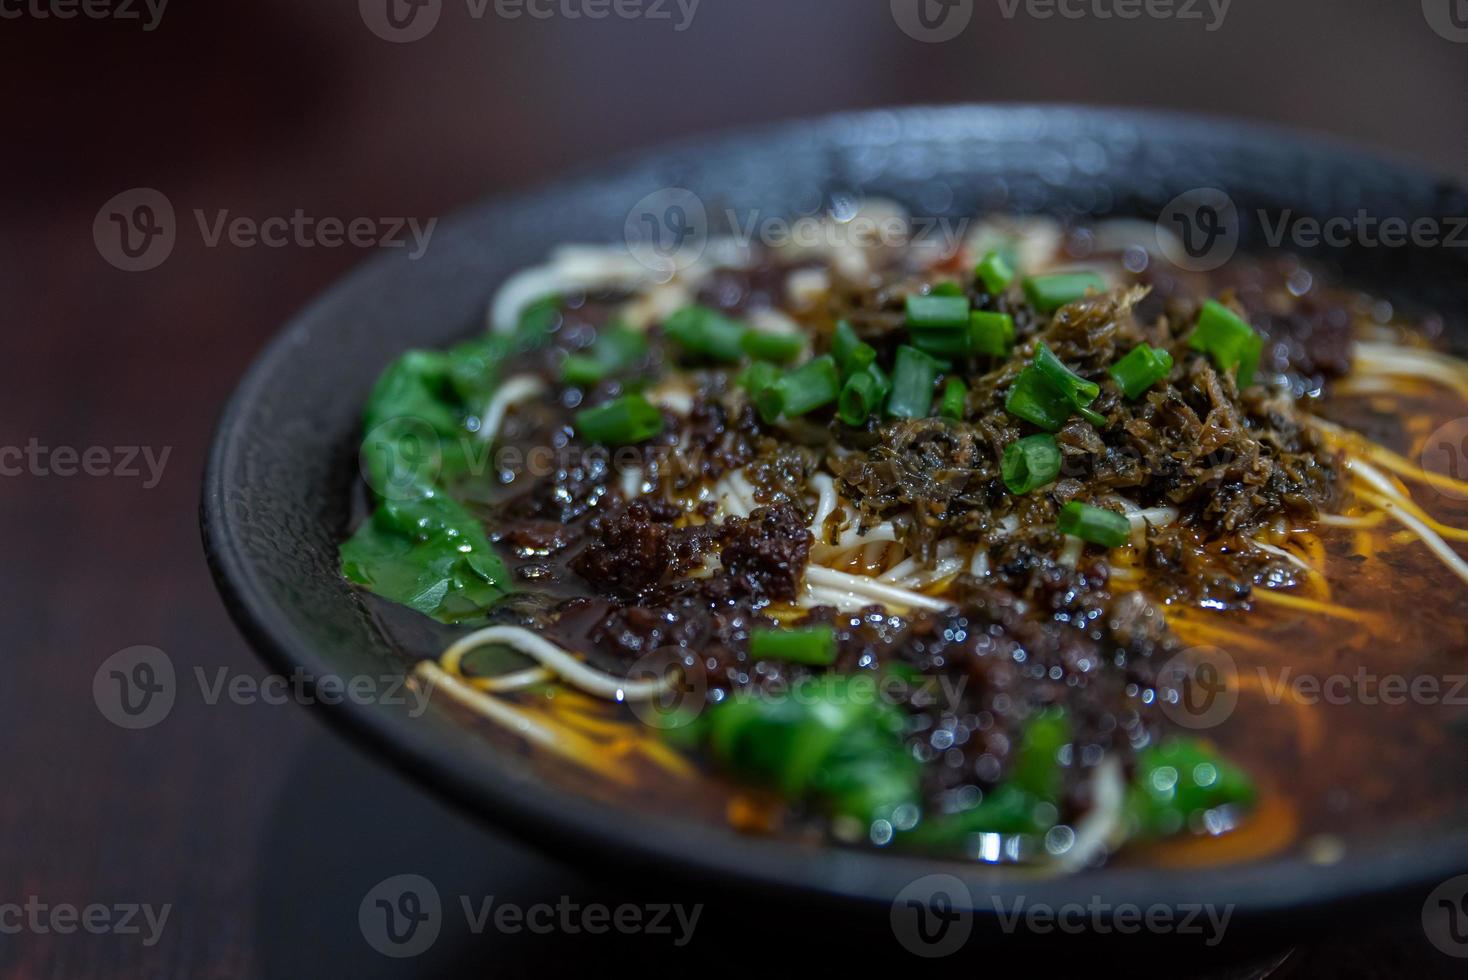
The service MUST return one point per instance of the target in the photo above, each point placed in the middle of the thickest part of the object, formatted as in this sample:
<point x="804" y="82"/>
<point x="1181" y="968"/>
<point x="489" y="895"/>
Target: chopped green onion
<point x="947" y="289"/>
<point x="955" y="394"/>
<point x="987" y="333"/>
<point x="991" y="333"/>
<point x="937" y="312"/>
<point x="1049" y="293"/>
<point x="757" y="377"/>
<point x="761" y="380"/>
<point x="807" y="388"/>
<point x="995" y="273"/>
<point x="1034" y="399"/>
<point x="861" y="396"/>
<point x="941" y="343"/>
<point x="863" y="357"/>
<point x="1095" y="418"/>
<point x="1076" y="389"/>
<point x="1228" y="340"/>
<point x="705" y="332"/>
<point x="814" y="646"/>
<point x="1140" y="370"/>
<point x="843" y="342"/>
<point x="1030" y="463"/>
<point x="779" y="347"/>
<point x="617" y="348"/>
<point x="912" y="384"/>
<point x="582" y="371"/>
<point x="1095" y="524"/>
<point x="629" y="419"/>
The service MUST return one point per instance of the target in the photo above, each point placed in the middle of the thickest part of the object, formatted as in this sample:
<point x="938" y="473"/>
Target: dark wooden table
<point x="257" y="827"/>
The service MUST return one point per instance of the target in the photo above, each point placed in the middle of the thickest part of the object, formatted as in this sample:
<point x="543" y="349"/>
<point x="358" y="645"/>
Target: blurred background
<point x="254" y="823"/>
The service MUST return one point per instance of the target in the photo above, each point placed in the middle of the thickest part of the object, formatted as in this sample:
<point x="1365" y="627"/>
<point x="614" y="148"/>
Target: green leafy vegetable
<point x="1179" y="783"/>
<point x="837" y="745"/>
<point x="420" y="547"/>
<point x="815" y="646"/>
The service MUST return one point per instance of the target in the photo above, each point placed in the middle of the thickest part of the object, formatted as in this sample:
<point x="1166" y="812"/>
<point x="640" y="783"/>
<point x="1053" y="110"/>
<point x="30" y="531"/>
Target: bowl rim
<point x="614" y="838"/>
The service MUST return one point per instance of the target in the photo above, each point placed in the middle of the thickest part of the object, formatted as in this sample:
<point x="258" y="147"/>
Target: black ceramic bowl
<point x="276" y="496"/>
